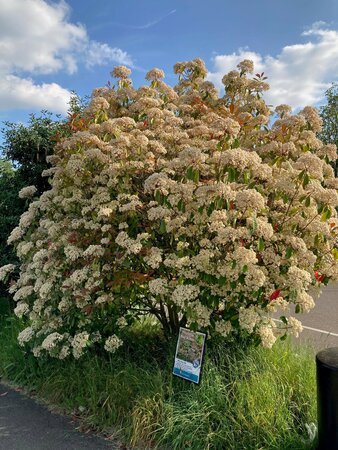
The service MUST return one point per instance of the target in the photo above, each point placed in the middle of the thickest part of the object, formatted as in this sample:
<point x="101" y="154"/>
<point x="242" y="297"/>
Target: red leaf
<point x="275" y="294"/>
<point x="319" y="277"/>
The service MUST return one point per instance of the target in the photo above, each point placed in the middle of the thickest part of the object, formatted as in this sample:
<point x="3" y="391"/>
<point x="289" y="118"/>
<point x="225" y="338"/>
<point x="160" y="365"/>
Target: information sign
<point x="189" y="355"/>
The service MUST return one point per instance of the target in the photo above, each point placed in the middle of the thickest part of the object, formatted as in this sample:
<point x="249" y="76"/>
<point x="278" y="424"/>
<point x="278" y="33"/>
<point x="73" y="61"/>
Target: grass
<point x="249" y="398"/>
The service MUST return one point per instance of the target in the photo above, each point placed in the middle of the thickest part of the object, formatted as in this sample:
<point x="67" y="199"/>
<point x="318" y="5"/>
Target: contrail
<point x="137" y="27"/>
<point x="154" y="22"/>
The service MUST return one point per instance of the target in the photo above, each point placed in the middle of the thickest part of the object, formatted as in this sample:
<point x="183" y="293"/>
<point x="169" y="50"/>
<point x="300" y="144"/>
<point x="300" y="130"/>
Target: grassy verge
<point x="248" y="399"/>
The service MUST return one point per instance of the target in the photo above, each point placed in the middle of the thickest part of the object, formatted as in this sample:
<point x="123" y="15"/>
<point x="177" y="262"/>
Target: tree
<point x="329" y="115"/>
<point x="27" y="147"/>
<point x="182" y="205"/>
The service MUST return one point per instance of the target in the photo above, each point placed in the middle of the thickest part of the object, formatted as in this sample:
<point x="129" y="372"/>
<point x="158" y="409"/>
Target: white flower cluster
<point x="79" y="343"/>
<point x="223" y="328"/>
<point x="72" y="252"/>
<point x="112" y="344"/>
<point x="23" y="292"/>
<point x="248" y="318"/>
<point x="184" y="294"/>
<point x="93" y="250"/>
<point x="158" y="286"/>
<point x="268" y="338"/>
<point x="27" y="192"/>
<point x="5" y="270"/>
<point x="131" y="246"/>
<point x="295" y="326"/>
<point x="51" y="341"/>
<point x="154" y="257"/>
<point x="25" y="335"/>
<point x="21" y="309"/>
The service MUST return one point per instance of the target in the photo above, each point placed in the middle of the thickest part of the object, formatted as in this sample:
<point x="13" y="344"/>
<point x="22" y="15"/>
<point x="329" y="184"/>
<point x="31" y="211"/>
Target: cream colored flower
<point x="121" y="72"/>
<point x="27" y="192"/>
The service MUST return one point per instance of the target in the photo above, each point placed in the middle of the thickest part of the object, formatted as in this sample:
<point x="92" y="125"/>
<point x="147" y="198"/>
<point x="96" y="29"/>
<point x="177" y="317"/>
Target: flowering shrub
<point x="180" y="204"/>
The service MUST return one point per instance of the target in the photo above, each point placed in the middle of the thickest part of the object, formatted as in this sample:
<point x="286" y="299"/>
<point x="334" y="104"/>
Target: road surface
<point x="26" y="425"/>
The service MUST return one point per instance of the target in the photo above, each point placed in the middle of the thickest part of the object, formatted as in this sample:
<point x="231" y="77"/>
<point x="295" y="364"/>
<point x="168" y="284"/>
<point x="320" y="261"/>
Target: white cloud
<point x="99" y="54"/>
<point x="17" y="93"/>
<point x="36" y="38"/>
<point x="299" y="75"/>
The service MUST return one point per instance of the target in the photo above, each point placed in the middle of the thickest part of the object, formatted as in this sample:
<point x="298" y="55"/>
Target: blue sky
<point x="48" y="48"/>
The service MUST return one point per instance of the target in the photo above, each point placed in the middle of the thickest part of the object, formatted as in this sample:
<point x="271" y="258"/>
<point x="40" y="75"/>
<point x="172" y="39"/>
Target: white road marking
<point x="314" y="329"/>
<point x="321" y="331"/>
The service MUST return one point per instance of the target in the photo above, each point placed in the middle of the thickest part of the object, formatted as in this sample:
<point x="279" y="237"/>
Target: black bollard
<point x="327" y="398"/>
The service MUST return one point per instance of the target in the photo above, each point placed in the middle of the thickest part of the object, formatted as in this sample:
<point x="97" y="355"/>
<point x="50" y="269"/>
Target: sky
<point x="50" y="48"/>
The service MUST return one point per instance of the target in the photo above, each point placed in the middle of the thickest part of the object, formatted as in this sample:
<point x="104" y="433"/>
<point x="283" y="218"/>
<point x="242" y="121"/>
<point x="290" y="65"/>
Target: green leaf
<point x="181" y="206"/>
<point x="293" y="211"/>
<point x="278" y="161"/>
<point x="306" y="179"/>
<point x="289" y="252"/>
<point x="163" y="227"/>
<point x="219" y="203"/>
<point x="320" y="207"/>
<point x="222" y="281"/>
<point x="232" y="174"/>
<point x="327" y="213"/>
<point x="308" y="201"/>
<point x="317" y="239"/>
<point x="194" y="326"/>
<point x="261" y="244"/>
<point x="298" y="309"/>
<point x="335" y="253"/>
<point x="284" y="319"/>
<point x="190" y="173"/>
<point x="285" y="198"/>
<point x="158" y="197"/>
<point x="254" y="225"/>
<point x="241" y="278"/>
<point x="196" y="176"/>
<point x="246" y="177"/>
<point x="236" y="143"/>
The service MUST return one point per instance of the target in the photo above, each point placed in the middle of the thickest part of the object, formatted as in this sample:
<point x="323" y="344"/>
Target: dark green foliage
<point x="27" y="146"/>
<point x="11" y="207"/>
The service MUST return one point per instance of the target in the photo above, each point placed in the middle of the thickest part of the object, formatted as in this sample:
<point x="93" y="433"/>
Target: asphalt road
<point x="26" y="425"/>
